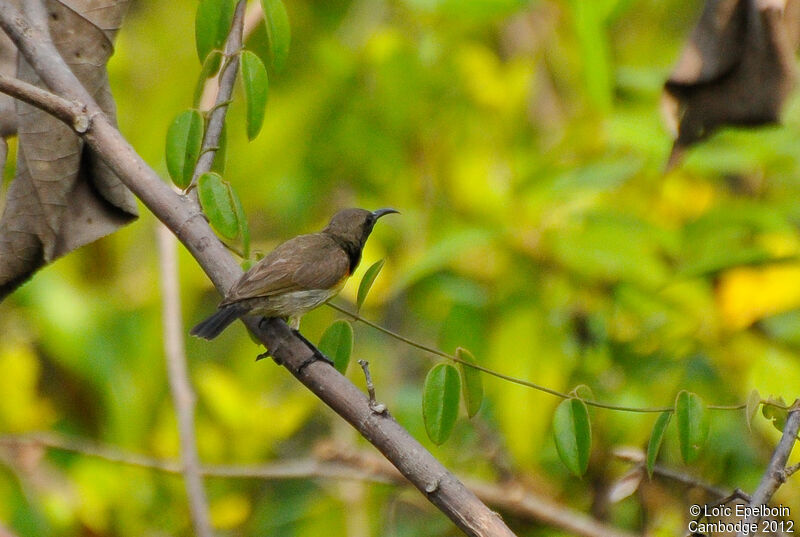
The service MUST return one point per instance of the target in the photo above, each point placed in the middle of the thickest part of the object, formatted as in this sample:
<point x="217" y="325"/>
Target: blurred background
<point x="522" y="143"/>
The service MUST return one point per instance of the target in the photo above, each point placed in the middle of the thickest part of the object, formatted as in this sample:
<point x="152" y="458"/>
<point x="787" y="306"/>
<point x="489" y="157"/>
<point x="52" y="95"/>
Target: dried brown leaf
<point x="63" y="197"/>
<point x="737" y="69"/>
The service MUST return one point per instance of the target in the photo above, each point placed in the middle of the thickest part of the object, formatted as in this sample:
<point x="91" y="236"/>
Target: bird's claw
<point x="315" y="356"/>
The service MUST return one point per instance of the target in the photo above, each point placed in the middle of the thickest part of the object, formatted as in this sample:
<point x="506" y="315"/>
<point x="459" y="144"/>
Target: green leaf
<point x="241" y="218"/>
<point x="366" y="282"/>
<point x="440" y="402"/>
<point x="217" y="202"/>
<point x="593" y="42"/>
<point x="656" y="439"/>
<point x="690" y="411"/>
<point x="472" y="382"/>
<point x="776" y="414"/>
<point x="212" y="24"/>
<point x="337" y="344"/>
<point x="210" y="68"/>
<point x="753" y="402"/>
<point x="256" y="88"/>
<point x="278" y="31"/>
<point x="184" y="140"/>
<point x="573" y="435"/>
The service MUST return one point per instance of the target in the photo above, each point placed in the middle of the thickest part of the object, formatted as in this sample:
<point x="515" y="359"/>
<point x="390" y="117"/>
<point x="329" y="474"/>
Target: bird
<point x="298" y="275"/>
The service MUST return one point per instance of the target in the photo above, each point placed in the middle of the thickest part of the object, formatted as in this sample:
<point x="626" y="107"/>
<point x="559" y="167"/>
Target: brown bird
<point x="298" y="275"/>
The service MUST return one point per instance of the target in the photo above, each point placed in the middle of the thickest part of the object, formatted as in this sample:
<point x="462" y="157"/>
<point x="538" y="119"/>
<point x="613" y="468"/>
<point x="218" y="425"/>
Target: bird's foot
<point x="315" y="356"/>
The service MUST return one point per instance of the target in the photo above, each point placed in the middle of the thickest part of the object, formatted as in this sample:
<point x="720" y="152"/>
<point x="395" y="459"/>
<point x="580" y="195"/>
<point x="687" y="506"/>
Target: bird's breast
<point x="295" y="302"/>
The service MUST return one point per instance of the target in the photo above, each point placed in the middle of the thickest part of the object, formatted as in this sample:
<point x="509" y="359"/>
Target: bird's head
<point x="353" y="226"/>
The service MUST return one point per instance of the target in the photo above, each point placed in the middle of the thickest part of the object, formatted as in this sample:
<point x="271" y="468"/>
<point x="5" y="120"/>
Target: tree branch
<point x="177" y="371"/>
<point x="775" y="474"/>
<point x="180" y="215"/>
<point x="227" y="78"/>
<point x="344" y="463"/>
<point x="252" y="16"/>
<point x="70" y="112"/>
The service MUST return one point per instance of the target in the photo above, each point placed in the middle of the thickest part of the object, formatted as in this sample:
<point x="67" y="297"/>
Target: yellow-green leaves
<point x="440" y="396"/>
<point x="656" y="439"/>
<point x="589" y="22"/>
<point x="256" y="89"/>
<point x="184" y="140"/>
<point x="241" y="218"/>
<point x="212" y="24"/>
<point x="278" y="31"/>
<point x="692" y="419"/>
<point x="573" y="435"/>
<point x="367" y="281"/>
<point x="775" y="411"/>
<point x="337" y="344"/>
<point x="472" y="385"/>
<point x="751" y="407"/>
<point x="217" y="198"/>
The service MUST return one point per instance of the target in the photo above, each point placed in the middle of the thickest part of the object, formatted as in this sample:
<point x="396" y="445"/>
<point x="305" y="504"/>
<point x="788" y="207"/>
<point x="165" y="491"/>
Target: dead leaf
<point x="63" y="197"/>
<point x="737" y="69"/>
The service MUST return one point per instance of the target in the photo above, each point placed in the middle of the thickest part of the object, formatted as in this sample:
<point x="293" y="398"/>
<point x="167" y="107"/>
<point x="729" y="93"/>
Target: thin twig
<point x="71" y="113"/>
<point x="177" y="370"/>
<point x="252" y="16"/>
<point x="775" y="474"/>
<point x="342" y="463"/>
<point x="510" y="496"/>
<point x="509" y="378"/>
<point x="635" y="456"/>
<point x="380" y="408"/>
<point x="227" y="78"/>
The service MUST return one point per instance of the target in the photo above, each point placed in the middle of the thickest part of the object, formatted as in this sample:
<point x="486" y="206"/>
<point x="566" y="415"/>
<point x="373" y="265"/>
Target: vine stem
<point x="509" y="378"/>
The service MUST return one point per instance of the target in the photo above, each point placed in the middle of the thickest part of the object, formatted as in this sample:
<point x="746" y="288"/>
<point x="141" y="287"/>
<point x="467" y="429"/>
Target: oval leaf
<point x="184" y="140"/>
<point x="774" y="412"/>
<point x="573" y="435"/>
<point x="278" y="32"/>
<point x="210" y="67"/>
<point x="212" y="25"/>
<point x="367" y="281"/>
<point x="656" y="439"/>
<point x="753" y="401"/>
<point x="256" y="88"/>
<point x="337" y="344"/>
<point x="472" y="382"/>
<point x="690" y="411"/>
<point x="218" y="204"/>
<point x="440" y="402"/>
<point x="241" y="219"/>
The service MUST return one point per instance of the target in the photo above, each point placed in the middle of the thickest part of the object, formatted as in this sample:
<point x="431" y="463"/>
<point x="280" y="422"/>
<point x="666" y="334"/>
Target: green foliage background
<point x="523" y="145"/>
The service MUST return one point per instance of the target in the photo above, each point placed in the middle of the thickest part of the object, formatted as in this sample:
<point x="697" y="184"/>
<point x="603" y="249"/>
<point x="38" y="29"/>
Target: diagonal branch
<point x="227" y="78"/>
<point x="775" y="474"/>
<point x="180" y="215"/>
<point x="177" y="371"/>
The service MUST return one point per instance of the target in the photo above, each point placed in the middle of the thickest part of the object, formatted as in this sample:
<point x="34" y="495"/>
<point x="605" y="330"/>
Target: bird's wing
<point x="305" y="262"/>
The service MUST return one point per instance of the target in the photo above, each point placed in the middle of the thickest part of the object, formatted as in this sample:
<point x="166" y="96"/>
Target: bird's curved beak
<point x="381" y="212"/>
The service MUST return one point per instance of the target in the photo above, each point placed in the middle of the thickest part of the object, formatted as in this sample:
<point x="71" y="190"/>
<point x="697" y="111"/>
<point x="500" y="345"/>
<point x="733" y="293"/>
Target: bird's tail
<point x="212" y="326"/>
